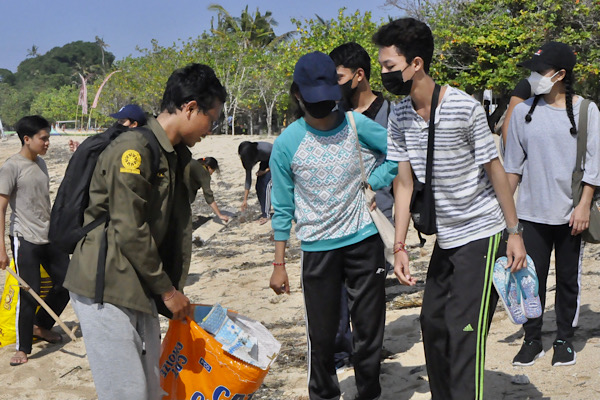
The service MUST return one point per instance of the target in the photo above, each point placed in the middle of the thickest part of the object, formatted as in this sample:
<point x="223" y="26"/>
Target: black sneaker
<point x="530" y="351"/>
<point x="563" y="353"/>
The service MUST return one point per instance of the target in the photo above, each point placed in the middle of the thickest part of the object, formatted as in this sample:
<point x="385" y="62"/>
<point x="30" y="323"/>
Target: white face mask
<point x="541" y="84"/>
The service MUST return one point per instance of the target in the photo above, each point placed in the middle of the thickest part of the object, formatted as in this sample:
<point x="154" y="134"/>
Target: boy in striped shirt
<point x="473" y="204"/>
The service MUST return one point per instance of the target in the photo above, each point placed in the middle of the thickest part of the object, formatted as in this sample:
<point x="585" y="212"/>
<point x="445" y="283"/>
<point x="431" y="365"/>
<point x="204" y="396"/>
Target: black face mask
<point x="395" y="84"/>
<point x="348" y="91"/>
<point x="319" y="110"/>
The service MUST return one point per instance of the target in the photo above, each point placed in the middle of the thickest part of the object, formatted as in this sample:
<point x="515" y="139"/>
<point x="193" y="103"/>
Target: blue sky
<point x="125" y="24"/>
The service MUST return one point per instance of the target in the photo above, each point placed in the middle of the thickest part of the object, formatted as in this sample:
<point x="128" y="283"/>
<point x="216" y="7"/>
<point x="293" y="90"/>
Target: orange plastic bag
<point x="194" y="366"/>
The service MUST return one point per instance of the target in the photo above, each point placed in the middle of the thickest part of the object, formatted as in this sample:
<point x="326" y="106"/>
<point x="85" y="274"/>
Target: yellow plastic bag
<point x="8" y="308"/>
<point x="194" y="366"/>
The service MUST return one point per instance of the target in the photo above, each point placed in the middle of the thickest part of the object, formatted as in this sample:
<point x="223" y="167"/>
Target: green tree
<point x="142" y="79"/>
<point x="56" y="104"/>
<point x="14" y="103"/>
<point x="247" y="51"/>
<point x="103" y="46"/>
<point x="257" y="27"/>
<point x="271" y="81"/>
<point x="33" y="51"/>
<point x="479" y="43"/>
<point x="56" y="67"/>
<point x="6" y="76"/>
<point x="317" y="34"/>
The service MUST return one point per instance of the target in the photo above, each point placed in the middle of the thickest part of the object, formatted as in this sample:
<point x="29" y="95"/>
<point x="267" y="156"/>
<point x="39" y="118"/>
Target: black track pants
<point x="458" y="305"/>
<point x="28" y="257"/>
<point x="360" y="268"/>
<point x="539" y="240"/>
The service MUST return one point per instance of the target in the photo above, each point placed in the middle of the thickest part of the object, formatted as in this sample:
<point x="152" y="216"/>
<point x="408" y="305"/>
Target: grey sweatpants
<point x="123" y="349"/>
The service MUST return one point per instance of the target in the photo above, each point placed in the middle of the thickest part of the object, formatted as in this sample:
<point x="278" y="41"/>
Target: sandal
<point x="528" y="286"/>
<point x="15" y="360"/>
<point x="508" y="291"/>
<point x="49" y="336"/>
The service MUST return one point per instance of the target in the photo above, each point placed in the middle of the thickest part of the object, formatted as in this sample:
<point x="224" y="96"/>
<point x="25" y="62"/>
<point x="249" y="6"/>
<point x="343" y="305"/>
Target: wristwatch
<point x="515" y="230"/>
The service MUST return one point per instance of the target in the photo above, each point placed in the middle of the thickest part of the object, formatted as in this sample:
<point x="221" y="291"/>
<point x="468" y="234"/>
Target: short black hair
<point x="194" y="82"/>
<point x="248" y="152"/>
<point x="210" y="162"/>
<point x="412" y="38"/>
<point x="353" y="56"/>
<point x="30" y="125"/>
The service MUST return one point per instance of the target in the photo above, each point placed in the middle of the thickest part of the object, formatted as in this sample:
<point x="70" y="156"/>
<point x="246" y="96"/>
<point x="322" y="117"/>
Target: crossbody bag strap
<point x="360" y="159"/>
<point x="429" y="165"/>
<point x="582" y="134"/>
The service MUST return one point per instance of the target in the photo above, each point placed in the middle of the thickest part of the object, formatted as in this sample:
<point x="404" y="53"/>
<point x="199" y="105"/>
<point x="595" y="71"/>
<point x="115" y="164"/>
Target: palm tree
<point x="258" y="27"/>
<point x="33" y="52"/>
<point x="103" y="46"/>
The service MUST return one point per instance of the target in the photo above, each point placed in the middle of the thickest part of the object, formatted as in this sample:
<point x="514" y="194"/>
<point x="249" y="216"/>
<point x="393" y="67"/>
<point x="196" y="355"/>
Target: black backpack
<point x="66" y="219"/>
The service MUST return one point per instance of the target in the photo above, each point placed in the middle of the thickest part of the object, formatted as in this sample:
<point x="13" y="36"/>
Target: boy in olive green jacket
<point x="148" y="239"/>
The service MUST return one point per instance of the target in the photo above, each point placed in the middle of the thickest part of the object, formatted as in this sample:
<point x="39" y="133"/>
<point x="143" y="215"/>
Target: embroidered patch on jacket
<point x="131" y="161"/>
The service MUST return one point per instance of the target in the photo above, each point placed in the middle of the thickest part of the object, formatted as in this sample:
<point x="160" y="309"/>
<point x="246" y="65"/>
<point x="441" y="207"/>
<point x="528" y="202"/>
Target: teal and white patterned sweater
<point x="317" y="182"/>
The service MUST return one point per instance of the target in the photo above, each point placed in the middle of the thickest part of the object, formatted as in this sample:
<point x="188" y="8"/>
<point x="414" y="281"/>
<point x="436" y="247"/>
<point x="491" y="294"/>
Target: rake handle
<point x="42" y="303"/>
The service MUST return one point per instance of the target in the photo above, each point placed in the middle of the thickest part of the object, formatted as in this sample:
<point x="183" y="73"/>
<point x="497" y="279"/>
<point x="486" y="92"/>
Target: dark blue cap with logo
<point x="132" y="112"/>
<point x="316" y="77"/>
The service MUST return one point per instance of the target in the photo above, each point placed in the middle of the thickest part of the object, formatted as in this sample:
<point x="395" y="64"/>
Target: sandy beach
<point x="231" y="264"/>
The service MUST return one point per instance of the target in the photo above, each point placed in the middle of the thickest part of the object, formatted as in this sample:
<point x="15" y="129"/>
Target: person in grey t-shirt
<point x="24" y="184"/>
<point x="540" y="157"/>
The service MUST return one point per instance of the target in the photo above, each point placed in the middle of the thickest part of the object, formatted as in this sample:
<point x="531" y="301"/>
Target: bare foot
<point x="262" y="221"/>
<point x="47" y="335"/>
<point x="19" y="358"/>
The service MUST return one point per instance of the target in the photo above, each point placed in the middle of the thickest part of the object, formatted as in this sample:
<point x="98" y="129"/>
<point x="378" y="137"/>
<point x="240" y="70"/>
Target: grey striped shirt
<point x="465" y="201"/>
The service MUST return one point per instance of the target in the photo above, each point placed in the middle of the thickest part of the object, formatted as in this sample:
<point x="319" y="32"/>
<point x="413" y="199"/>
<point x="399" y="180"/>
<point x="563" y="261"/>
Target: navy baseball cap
<point x="132" y="112"/>
<point x="316" y="77"/>
<point x="553" y="55"/>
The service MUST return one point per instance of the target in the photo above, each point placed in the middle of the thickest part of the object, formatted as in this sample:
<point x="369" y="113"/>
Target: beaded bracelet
<point x="171" y="295"/>
<point x="401" y="247"/>
<point x="281" y="264"/>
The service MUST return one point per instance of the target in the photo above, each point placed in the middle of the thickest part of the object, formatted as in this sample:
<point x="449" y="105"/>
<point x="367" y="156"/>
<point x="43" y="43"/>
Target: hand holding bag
<point x="422" y="204"/>
<point x="592" y="234"/>
<point x="384" y="226"/>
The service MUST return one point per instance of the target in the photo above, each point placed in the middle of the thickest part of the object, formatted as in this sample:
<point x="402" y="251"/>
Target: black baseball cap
<point x="316" y="77"/>
<point x="554" y="55"/>
<point x="132" y="112"/>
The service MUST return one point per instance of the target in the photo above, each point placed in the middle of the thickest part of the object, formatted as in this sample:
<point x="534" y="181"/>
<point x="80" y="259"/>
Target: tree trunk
<point x="270" y="118"/>
<point x="226" y="115"/>
<point x="233" y="120"/>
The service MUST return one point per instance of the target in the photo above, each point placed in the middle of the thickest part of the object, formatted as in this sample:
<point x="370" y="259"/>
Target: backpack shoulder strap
<point x="389" y="107"/>
<point x="582" y="133"/>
